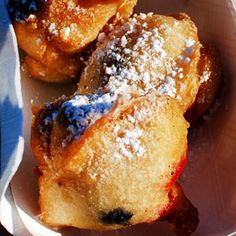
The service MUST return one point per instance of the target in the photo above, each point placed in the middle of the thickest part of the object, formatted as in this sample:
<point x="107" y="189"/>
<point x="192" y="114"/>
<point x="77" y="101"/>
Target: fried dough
<point x="112" y="153"/>
<point x="104" y="170"/>
<point x="147" y="53"/>
<point x="59" y="30"/>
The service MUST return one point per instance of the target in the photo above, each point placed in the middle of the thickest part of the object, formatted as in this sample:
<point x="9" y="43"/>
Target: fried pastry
<point x="112" y="152"/>
<point x="58" y="30"/>
<point x="109" y="162"/>
<point x="129" y="58"/>
<point x="147" y="53"/>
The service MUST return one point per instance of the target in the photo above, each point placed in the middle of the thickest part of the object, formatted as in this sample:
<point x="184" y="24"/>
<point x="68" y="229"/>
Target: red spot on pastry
<point x="178" y="171"/>
<point x="110" y="119"/>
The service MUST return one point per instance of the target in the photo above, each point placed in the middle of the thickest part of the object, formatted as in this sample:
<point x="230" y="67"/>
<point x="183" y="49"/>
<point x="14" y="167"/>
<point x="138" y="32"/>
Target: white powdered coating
<point x="31" y="18"/>
<point x="128" y="142"/>
<point x="143" y="16"/>
<point x="181" y="76"/>
<point x="89" y="110"/>
<point x="64" y="29"/>
<point x="73" y="7"/>
<point x="131" y="54"/>
<point x="205" y="76"/>
<point x="123" y="41"/>
<point x="128" y="57"/>
<point x="65" y="33"/>
<point x="135" y="73"/>
<point x="53" y="29"/>
<point x="190" y="42"/>
<point x="168" y="87"/>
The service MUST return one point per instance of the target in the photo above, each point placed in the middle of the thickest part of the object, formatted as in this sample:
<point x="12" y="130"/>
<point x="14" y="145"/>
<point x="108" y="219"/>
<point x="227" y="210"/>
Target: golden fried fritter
<point x="147" y="53"/>
<point x="59" y="30"/>
<point x="72" y="24"/>
<point x="99" y="168"/>
<point x="112" y="152"/>
<point x="40" y="71"/>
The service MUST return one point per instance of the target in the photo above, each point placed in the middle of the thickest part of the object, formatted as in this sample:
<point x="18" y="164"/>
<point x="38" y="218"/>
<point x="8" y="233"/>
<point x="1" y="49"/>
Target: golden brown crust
<point x="78" y="22"/>
<point x="56" y="34"/>
<point x="209" y="70"/>
<point x="44" y="61"/>
<point x="165" y="60"/>
<point x="99" y="174"/>
<point x="100" y="162"/>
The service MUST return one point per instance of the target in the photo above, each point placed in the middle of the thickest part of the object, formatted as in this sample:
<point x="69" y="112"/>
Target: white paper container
<point x="209" y="180"/>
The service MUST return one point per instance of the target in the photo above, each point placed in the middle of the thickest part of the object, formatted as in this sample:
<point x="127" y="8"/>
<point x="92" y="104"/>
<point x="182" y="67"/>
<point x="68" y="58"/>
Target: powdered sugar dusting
<point x="169" y="87"/>
<point x="76" y="114"/>
<point x="128" y="66"/>
<point x="205" y="76"/>
<point x="53" y="29"/>
<point x="132" y="55"/>
<point x="133" y="61"/>
<point x="128" y="141"/>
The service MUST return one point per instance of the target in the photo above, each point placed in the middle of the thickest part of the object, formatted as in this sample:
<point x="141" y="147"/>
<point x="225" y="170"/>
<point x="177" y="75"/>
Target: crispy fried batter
<point x="209" y="70"/>
<point x="75" y="23"/>
<point x="40" y="71"/>
<point x="98" y="153"/>
<point x="99" y="177"/>
<point x="147" y="53"/>
<point x="58" y="32"/>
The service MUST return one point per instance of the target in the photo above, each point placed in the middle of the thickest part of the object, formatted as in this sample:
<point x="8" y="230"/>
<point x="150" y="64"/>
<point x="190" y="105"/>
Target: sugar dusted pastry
<point x="112" y="152"/>
<point x="155" y="53"/>
<point x="58" y="30"/>
<point x="109" y="162"/>
<point x="147" y="53"/>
